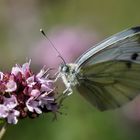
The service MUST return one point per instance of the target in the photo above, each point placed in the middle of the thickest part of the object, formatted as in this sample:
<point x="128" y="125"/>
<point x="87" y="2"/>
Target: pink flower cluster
<point x="25" y="94"/>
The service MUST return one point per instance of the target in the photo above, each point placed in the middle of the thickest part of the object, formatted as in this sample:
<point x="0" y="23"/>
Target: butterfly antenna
<point x="59" y="54"/>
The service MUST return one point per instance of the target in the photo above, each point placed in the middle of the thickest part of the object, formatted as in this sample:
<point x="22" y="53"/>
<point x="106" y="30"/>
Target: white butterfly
<point x="108" y="74"/>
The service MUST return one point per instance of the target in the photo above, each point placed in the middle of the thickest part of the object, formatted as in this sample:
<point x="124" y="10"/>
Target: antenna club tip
<point x="41" y="30"/>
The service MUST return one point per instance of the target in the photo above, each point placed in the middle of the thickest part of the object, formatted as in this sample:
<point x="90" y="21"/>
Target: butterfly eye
<point x="65" y="69"/>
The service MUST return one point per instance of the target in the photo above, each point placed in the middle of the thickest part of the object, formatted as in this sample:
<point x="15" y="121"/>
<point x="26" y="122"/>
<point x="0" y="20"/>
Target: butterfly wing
<point x="109" y="47"/>
<point x="110" y="77"/>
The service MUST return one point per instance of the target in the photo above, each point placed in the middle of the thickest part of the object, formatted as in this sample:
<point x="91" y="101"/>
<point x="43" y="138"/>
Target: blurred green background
<point x="20" y="22"/>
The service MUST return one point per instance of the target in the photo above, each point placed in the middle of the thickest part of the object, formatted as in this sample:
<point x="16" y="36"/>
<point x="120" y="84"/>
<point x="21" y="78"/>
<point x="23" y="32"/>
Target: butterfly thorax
<point x="68" y="73"/>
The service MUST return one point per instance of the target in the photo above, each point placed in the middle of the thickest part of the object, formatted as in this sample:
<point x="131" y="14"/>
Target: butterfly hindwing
<point x="110" y="88"/>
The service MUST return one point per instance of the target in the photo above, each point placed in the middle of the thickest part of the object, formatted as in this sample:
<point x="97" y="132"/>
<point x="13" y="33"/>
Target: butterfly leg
<point x="57" y="74"/>
<point x="67" y="84"/>
<point x="68" y="90"/>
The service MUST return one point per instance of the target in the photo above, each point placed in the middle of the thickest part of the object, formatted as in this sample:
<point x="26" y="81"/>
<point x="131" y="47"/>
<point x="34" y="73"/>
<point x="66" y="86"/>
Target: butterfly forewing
<point x="111" y="76"/>
<point x="114" y="45"/>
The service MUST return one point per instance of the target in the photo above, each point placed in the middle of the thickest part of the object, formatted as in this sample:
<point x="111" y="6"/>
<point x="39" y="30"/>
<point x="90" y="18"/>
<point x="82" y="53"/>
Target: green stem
<point x="3" y="130"/>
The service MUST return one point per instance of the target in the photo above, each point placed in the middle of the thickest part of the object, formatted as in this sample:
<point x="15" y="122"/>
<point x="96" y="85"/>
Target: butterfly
<point x="108" y="74"/>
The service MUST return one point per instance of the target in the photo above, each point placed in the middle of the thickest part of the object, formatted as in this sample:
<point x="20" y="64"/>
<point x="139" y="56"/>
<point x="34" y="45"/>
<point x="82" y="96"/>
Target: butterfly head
<point x="68" y="69"/>
<point x="68" y="73"/>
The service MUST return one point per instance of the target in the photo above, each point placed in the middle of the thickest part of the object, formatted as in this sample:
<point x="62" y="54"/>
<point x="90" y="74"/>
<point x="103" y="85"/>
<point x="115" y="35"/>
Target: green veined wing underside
<point x="109" y="73"/>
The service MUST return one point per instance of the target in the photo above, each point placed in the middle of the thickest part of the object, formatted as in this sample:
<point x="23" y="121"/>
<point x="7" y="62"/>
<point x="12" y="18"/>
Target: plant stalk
<point x="3" y="130"/>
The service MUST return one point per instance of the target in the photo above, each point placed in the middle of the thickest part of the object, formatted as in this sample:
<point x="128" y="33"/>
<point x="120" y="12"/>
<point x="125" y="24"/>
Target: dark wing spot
<point x="129" y="64"/>
<point x="136" y="29"/>
<point x="134" y="56"/>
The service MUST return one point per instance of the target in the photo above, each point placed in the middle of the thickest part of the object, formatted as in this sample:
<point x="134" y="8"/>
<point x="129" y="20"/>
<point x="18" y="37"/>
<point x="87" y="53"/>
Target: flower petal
<point x="1" y="76"/>
<point x="10" y="102"/>
<point x="30" y="81"/>
<point x="11" y="86"/>
<point x="26" y="67"/>
<point x="35" y="93"/>
<point x="3" y="111"/>
<point x="12" y="117"/>
<point x="33" y="105"/>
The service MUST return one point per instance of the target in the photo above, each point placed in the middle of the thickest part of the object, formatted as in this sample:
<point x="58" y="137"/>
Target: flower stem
<point x="3" y="130"/>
